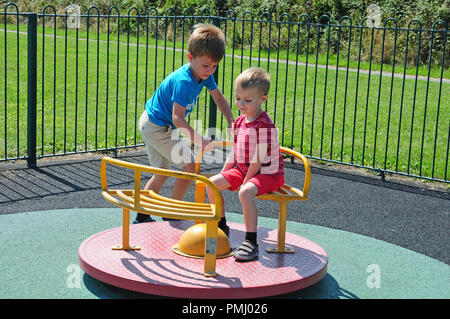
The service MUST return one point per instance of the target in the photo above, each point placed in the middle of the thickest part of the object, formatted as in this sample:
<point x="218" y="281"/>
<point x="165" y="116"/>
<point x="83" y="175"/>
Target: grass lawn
<point x="91" y="94"/>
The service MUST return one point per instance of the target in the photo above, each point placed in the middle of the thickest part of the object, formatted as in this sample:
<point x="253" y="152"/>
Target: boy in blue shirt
<point x="174" y="100"/>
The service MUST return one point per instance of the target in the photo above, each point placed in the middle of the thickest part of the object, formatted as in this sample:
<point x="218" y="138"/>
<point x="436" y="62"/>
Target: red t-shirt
<point x="261" y="132"/>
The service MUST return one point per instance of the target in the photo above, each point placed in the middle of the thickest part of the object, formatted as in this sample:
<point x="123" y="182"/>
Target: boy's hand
<point x="205" y="142"/>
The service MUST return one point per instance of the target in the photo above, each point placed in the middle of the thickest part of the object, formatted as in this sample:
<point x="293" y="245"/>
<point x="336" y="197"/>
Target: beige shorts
<point x="164" y="145"/>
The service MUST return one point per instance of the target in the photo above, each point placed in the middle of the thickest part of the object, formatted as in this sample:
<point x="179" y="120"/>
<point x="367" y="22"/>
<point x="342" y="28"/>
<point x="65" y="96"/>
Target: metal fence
<point x="363" y="95"/>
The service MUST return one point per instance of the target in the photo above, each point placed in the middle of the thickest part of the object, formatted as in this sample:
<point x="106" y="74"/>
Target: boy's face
<point x="249" y="100"/>
<point x="202" y="66"/>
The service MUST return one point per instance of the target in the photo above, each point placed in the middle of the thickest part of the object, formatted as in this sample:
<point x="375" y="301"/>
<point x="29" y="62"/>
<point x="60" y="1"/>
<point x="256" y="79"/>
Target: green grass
<point x="109" y="100"/>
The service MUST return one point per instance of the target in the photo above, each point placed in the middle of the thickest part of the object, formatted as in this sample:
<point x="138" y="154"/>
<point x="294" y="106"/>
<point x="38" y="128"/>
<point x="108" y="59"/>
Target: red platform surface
<point x="155" y="269"/>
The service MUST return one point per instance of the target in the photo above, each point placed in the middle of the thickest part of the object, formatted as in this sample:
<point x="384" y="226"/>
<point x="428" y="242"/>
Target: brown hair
<point x="207" y="39"/>
<point x="254" y="78"/>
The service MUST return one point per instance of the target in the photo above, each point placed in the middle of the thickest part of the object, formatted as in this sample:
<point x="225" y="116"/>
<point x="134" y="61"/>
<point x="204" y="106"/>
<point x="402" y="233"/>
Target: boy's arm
<point x="255" y="164"/>
<point x="180" y="123"/>
<point x="223" y="105"/>
<point x="253" y="169"/>
<point x="229" y="162"/>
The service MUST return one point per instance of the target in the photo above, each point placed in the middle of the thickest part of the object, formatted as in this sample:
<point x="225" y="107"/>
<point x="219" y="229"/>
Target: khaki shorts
<point x="164" y="145"/>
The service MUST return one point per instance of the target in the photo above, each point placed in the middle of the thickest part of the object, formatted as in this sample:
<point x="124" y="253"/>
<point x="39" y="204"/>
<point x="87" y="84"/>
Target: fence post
<point x="31" y="90"/>
<point x="212" y="104"/>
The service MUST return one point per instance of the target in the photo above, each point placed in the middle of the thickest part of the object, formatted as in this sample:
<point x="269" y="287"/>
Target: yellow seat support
<point x="283" y="196"/>
<point x="150" y="203"/>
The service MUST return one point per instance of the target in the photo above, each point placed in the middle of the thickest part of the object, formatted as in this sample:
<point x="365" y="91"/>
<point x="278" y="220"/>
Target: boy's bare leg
<point x="155" y="183"/>
<point x="249" y="247"/>
<point x="221" y="183"/>
<point x="181" y="185"/>
<point x="247" y="195"/>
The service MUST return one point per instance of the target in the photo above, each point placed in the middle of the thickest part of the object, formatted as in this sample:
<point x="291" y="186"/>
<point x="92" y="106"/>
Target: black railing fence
<point x="371" y="96"/>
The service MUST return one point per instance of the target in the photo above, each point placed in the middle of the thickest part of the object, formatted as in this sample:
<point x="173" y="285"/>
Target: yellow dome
<point x="192" y="242"/>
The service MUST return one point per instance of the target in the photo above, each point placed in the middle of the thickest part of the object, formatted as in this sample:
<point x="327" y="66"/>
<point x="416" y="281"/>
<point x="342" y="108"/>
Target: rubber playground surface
<point x="396" y="250"/>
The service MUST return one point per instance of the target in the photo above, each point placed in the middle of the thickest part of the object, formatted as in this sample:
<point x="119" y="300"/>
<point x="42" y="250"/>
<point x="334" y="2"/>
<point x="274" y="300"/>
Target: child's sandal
<point x="247" y="251"/>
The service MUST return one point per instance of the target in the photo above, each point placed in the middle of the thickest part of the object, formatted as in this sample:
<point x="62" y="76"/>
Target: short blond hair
<point x="207" y="39"/>
<point x="254" y="78"/>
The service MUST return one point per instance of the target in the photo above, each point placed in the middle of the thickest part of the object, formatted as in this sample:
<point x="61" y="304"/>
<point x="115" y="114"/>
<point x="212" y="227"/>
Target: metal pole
<point x="31" y="91"/>
<point x="212" y="104"/>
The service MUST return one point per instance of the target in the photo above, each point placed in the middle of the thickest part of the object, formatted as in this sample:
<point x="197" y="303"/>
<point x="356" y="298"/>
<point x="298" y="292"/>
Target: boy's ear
<point x="189" y="56"/>
<point x="264" y="98"/>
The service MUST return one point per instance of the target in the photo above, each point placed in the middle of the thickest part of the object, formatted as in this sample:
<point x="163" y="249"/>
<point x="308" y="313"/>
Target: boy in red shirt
<point x="255" y="166"/>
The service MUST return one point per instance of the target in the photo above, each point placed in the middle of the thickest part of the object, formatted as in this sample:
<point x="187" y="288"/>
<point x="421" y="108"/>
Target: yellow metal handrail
<point x="150" y="203"/>
<point x="186" y="210"/>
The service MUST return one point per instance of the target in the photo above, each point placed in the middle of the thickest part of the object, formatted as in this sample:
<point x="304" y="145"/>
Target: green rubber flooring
<point x="39" y="259"/>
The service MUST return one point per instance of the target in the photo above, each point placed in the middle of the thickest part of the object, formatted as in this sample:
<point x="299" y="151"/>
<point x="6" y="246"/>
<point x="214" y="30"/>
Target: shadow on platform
<point x="327" y="288"/>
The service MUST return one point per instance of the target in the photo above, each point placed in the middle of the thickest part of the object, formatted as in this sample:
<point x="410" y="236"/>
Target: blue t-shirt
<point x="180" y="86"/>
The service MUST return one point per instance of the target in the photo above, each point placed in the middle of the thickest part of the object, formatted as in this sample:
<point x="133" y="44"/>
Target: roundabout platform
<point x="41" y="261"/>
<point x="155" y="269"/>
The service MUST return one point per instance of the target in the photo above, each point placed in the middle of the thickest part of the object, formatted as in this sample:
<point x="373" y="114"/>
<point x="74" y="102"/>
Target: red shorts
<point x="265" y="183"/>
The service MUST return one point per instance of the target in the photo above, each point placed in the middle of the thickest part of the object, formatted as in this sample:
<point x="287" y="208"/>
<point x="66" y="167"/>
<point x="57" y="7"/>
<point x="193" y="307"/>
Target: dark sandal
<point x="247" y="251"/>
